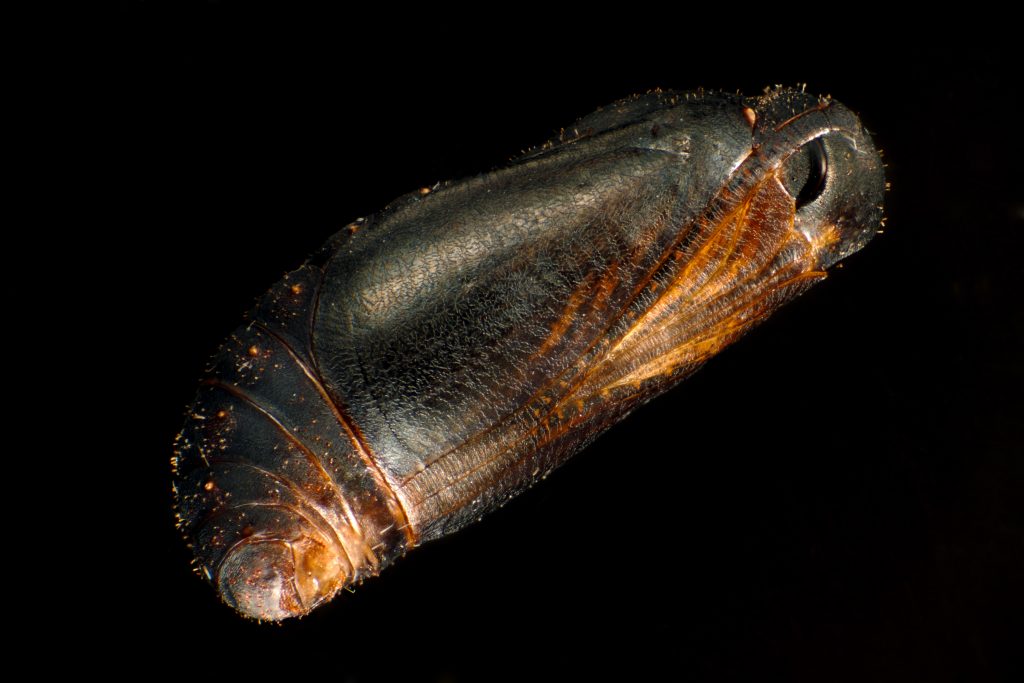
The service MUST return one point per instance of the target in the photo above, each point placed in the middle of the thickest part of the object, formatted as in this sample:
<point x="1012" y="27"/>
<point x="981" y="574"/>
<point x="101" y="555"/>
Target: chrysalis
<point x="435" y="359"/>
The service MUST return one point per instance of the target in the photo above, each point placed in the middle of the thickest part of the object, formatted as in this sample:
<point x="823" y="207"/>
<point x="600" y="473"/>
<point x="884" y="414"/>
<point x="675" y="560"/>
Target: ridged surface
<point x="433" y="360"/>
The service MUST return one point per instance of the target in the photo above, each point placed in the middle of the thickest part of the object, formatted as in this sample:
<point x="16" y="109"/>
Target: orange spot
<point x="296" y="289"/>
<point x="254" y="351"/>
<point x="222" y="413"/>
<point x="424" y="190"/>
<point x="750" y="115"/>
<point x="209" y="486"/>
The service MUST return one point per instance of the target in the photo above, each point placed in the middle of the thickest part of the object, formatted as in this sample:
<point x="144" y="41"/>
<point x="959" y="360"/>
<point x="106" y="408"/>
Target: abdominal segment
<point x="272" y="484"/>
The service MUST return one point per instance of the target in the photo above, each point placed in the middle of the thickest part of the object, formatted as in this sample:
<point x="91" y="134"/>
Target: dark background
<point x="835" y="498"/>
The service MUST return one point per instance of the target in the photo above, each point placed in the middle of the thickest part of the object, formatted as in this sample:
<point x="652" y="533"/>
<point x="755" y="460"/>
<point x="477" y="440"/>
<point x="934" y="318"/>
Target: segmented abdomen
<point x="269" y="463"/>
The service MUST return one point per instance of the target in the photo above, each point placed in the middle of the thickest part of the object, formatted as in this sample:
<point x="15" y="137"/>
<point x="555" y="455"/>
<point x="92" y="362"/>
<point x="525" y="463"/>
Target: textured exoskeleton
<point x="431" y="361"/>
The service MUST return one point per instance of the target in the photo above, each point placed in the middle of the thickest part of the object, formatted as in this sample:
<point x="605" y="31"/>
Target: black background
<point x="836" y="498"/>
